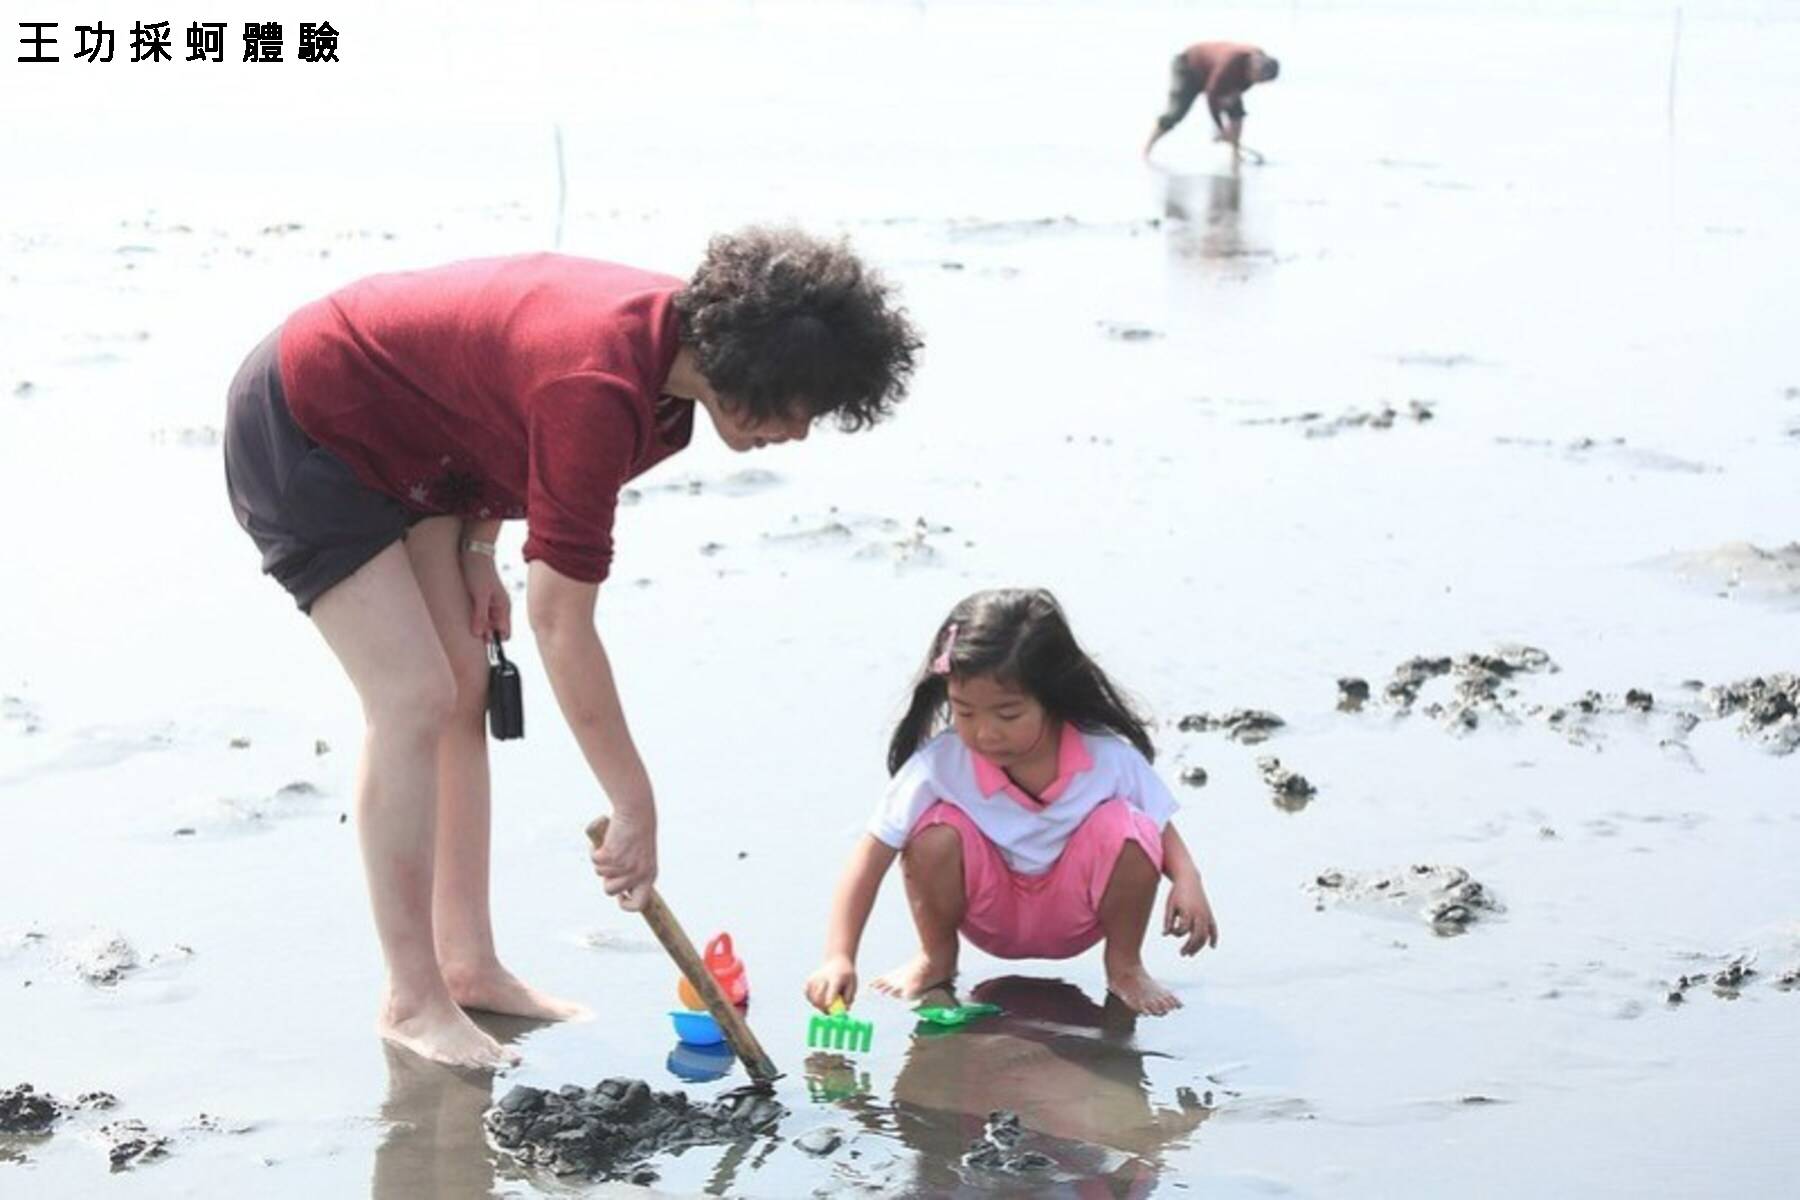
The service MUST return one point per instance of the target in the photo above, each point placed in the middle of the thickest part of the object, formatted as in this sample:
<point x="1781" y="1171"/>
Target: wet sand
<point x="1488" y="217"/>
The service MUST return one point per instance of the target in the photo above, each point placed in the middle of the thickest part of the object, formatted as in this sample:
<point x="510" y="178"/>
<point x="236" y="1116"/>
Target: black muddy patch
<point x="1290" y="790"/>
<point x="1385" y="416"/>
<point x="27" y="1112"/>
<point x="1480" y="679"/>
<point x="611" y="1130"/>
<point x="130" y="1143"/>
<point x="1122" y="331"/>
<point x="1444" y="897"/>
<point x="1767" y="708"/>
<point x="1246" y="725"/>
<point x="997" y="1149"/>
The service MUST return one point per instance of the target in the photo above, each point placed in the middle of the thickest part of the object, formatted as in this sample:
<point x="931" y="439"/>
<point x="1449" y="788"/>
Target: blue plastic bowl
<point x="700" y="1064"/>
<point x="696" y="1028"/>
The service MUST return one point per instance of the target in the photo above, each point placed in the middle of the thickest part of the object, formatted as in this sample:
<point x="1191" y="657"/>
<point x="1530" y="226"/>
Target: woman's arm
<point x="490" y="608"/>
<point x="562" y="617"/>
<point x="851" y="904"/>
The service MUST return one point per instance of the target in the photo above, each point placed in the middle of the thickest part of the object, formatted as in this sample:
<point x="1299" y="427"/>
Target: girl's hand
<point x="1188" y="915"/>
<point x="626" y="861"/>
<point x="835" y="980"/>
<point x="490" y="608"/>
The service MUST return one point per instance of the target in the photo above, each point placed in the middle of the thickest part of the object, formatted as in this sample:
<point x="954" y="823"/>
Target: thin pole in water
<point x="1674" y="61"/>
<point x="562" y="188"/>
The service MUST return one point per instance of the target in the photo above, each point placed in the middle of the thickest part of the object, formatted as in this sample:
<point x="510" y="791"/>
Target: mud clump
<point x="1727" y="982"/>
<point x="997" y="1148"/>
<point x="1412" y="675"/>
<point x="1769" y="708"/>
<point x="1292" y="790"/>
<point x="26" y="1111"/>
<point x="130" y="1143"/>
<point x="23" y="1109"/>
<point x="609" y="1130"/>
<point x="1246" y="725"/>
<point x="1480" y="682"/>
<point x="1417" y="411"/>
<point x="1444" y="897"/>
<point x="1353" y="693"/>
<point x="104" y="960"/>
<point x="1318" y="425"/>
<point x="1121" y="331"/>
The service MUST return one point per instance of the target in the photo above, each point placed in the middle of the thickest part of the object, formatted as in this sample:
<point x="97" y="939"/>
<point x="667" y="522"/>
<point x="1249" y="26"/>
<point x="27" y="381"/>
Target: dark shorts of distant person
<point x="1185" y="86"/>
<point x="313" y="520"/>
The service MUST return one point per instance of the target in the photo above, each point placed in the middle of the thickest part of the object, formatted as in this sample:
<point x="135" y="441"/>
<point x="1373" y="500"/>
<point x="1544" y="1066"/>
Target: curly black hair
<point x="776" y="316"/>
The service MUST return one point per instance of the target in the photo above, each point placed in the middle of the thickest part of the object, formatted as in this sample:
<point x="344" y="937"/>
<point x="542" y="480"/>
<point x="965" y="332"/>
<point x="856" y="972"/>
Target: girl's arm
<point x="850" y="907"/>
<point x="1188" y="913"/>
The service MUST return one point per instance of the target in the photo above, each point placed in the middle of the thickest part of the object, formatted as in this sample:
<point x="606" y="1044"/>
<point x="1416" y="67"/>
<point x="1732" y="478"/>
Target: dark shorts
<point x="1185" y="86"/>
<point x="313" y="520"/>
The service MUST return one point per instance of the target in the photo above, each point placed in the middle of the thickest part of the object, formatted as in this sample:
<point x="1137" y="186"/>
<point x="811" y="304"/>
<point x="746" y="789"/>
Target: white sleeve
<point x="908" y="795"/>
<point x="1144" y="789"/>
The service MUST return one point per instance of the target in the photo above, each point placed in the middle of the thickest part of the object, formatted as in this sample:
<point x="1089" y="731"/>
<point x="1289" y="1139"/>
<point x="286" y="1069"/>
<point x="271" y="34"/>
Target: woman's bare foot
<point x="924" y="973"/>
<point x="443" y="1033"/>
<point x="1140" y="993"/>
<point x="495" y="989"/>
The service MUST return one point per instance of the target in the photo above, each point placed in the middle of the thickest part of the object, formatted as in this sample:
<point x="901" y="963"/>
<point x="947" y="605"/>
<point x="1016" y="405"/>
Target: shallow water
<point x="1492" y="213"/>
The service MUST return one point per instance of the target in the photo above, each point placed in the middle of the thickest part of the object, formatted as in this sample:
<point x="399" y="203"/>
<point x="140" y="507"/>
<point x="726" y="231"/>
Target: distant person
<point x="375" y="443"/>
<point x="1223" y="71"/>
<point x="1034" y="825"/>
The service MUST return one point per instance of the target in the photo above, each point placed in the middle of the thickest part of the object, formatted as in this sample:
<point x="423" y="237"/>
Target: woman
<point x="377" y="440"/>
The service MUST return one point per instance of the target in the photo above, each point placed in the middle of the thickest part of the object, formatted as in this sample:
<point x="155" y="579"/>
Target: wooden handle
<point x="681" y="951"/>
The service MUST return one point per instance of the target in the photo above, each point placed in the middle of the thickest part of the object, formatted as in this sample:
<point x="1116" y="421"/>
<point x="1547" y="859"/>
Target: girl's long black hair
<point x="1020" y="637"/>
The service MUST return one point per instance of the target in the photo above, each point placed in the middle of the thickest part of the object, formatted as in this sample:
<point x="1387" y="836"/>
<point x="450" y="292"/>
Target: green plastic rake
<point x="839" y="1031"/>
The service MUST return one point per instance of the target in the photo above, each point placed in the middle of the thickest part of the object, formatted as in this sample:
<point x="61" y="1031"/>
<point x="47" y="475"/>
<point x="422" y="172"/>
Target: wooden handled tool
<point x="668" y="931"/>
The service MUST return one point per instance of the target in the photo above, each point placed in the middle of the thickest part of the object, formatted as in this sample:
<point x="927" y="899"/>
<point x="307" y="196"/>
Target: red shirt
<point x="1223" y="66"/>
<point x="528" y="386"/>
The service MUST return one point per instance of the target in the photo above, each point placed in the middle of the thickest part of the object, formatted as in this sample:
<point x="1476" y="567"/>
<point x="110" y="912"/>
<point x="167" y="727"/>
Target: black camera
<point x="505" y="704"/>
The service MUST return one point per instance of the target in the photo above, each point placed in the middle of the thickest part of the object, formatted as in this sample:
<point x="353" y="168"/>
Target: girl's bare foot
<point x="495" y="989"/>
<point x="1140" y="993"/>
<point x="922" y="974"/>
<point x="443" y="1033"/>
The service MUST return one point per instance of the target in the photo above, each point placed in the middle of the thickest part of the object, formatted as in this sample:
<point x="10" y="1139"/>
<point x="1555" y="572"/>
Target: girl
<point x="1034" y="825"/>
<point x="376" y="441"/>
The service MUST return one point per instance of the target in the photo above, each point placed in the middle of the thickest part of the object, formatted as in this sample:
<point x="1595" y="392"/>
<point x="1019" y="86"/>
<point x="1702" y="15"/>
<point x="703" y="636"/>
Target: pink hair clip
<point x="941" y="664"/>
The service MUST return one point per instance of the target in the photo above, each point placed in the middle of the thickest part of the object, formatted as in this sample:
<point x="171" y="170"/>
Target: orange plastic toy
<point x="726" y="968"/>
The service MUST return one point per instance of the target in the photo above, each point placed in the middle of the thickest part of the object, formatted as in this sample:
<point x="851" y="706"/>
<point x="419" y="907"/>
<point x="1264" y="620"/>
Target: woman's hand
<point x="1188" y="915"/>
<point x="490" y="608"/>
<point x="626" y="860"/>
<point x="834" y="980"/>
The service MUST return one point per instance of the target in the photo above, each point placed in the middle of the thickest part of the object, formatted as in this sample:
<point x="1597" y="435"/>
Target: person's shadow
<point x="1066" y="1065"/>
<point x="436" y="1145"/>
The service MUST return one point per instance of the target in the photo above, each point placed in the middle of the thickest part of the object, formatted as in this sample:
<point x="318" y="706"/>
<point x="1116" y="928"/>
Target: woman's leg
<point x="932" y="863"/>
<point x="1125" y="909"/>
<point x="459" y="900"/>
<point x="377" y="624"/>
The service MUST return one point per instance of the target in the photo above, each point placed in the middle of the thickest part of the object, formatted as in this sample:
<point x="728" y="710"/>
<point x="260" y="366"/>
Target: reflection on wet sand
<point x="1065" y="1064"/>
<point x="1205" y="215"/>
<point x="436" y="1145"/>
